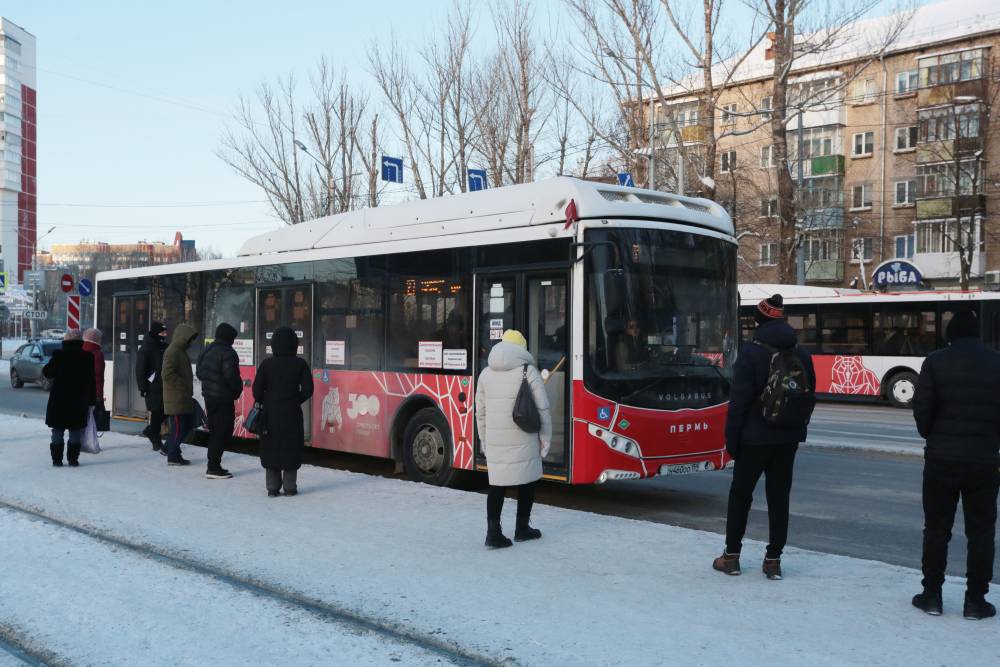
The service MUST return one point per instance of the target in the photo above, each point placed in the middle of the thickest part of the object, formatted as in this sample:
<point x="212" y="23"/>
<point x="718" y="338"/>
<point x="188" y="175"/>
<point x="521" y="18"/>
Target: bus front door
<point x="131" y="327"/>
<point x="286" y="306"/>
<point x="537" y="305"/>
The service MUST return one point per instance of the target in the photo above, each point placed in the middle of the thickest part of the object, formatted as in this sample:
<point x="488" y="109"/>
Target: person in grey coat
<point x="514" y="457"/>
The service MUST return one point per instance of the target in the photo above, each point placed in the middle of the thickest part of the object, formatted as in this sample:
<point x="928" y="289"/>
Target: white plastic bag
<point x="89" y="440"/>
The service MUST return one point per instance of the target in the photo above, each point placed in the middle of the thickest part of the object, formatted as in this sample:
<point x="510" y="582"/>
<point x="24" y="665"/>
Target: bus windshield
<point x="661" y="317"/>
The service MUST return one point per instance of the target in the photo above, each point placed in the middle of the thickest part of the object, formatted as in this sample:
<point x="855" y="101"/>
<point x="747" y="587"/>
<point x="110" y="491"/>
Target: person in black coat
<point x="758" y="446"/>
<point x="221" y="385"/>
<point x="150" y="365"/>
<point x="957" y="410"/>
<point x="73" y="393"/>
<point x="282" y="385"/>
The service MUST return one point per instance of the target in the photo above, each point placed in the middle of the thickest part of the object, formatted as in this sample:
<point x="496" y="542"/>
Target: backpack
<point x="525" y="413"/>
<point x="786" y="401"/>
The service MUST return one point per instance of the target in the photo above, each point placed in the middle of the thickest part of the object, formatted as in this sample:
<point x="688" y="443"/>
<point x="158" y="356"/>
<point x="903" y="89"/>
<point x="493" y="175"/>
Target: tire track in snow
<point x="12" y="644"/>
<point x="324" y="610"/>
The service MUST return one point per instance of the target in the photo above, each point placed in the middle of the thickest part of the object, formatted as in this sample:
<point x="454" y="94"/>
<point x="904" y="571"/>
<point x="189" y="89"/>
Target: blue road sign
<point x="392" y="169"/>
<point x="625" y="178"/>
<point x="85" y="287"/>
<point x="477" y="180"/>
<point x="3" y="282"/>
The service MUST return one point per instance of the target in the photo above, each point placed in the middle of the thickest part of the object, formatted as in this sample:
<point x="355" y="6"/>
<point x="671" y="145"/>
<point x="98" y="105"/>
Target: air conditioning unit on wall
<point x="992" y="280"/>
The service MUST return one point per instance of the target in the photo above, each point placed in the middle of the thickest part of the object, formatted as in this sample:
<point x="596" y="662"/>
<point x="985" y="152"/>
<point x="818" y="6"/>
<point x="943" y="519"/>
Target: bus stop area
<point x="128" y="561"/>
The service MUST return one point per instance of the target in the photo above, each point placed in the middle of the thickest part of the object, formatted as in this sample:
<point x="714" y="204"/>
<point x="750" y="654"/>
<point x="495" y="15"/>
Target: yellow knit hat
<point x="515" y="337"/>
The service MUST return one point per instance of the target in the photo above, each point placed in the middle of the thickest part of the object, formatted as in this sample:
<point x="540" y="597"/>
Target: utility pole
<point x="651" y="181"/>
<point x="800" y="269"/>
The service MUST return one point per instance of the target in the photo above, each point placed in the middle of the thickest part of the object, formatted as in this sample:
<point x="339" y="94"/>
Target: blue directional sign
<point x="3" y="282"/>
<point x="625" y="178"/>
<point x="85" y="287"/>
<point x="477" y="180"/>
<point x="392" y="169"/>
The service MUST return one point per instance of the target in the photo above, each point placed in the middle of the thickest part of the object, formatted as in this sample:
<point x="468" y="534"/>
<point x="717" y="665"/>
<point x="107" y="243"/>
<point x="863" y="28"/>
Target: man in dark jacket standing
<point x="148" y="368"/>
<point x="957" y="410"/>
<point x="221" y="385"/>
<point x="761" y="446"/>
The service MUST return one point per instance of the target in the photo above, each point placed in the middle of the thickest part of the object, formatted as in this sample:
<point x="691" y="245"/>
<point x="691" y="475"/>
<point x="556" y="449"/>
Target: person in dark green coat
<point x="178" y="391"/>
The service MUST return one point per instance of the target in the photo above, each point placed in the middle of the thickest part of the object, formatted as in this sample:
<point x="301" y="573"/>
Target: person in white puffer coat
<point x="513" y="457"/>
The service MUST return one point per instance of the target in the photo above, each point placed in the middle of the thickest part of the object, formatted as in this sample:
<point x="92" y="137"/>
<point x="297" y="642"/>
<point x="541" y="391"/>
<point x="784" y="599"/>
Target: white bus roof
<point x="751" y="293"/>
<point x="530" y="204"/>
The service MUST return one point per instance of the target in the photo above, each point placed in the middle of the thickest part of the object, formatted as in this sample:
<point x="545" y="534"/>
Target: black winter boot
<point x="929" y="602"/>
<point x="525" y="532"/>
<point x="73" y="455"/>
<point x="56" y="450"/>
<point x="977" y="608"/>
<point x="495" y="538"/>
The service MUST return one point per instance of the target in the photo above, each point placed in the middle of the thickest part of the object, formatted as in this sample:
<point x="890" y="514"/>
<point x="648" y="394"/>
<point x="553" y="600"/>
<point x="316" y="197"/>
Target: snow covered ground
<point x="128" y="561"/>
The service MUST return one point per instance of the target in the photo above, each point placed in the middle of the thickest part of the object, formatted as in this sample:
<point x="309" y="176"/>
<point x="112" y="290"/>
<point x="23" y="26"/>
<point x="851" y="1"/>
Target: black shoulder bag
<point x="525" y="412"/>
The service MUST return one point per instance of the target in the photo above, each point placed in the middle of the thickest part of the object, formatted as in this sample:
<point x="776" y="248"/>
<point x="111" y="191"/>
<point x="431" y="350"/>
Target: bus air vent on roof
<point x="614" y="195"/>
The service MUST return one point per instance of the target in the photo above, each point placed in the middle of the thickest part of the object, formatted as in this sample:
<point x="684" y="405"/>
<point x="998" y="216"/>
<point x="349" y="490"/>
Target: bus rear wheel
<point x="901" y="388"/>
<point x="427" y="454"/>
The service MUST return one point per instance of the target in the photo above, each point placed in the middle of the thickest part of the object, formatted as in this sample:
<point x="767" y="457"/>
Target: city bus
<point x="627" y="298"/>
<point x="871" y="344"/>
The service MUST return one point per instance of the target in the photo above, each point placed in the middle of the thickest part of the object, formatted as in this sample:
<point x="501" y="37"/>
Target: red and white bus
<point x="627" y="299"/>
<point x="870" y="344"/>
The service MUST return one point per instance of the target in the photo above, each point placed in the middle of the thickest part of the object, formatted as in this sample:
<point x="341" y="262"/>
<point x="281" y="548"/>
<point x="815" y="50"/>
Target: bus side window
<point x="903" y="330"/>
<point x="804" y="323"/>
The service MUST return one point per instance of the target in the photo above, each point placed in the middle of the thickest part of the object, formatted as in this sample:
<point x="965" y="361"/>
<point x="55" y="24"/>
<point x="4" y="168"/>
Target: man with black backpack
<point x="771" y="402"/>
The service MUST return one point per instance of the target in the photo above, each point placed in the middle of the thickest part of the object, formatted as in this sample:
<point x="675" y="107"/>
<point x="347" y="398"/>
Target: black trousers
<point x="525" y="500"/>
<point x="944" y="483"/>
<point x="775" y="462"/>
<point x="221" y="416"/>
<point x="156" y="419"/>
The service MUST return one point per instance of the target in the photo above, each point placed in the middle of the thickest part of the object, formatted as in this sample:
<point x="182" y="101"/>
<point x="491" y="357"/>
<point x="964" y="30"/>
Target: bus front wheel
<point x="427" y="454"/>
<point x="901" y="388"/>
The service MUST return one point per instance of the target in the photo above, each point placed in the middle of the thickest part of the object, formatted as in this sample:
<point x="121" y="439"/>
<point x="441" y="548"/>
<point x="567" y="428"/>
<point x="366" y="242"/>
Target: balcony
<point x="946" y="264"/>
<point x="946" y="151"/>
<point x="823" y="218"/>
<point x="942" y="208"/>
<point x="690" y="134"/>
<point x="828" y="165"/>
<point x="831" y="113"/>
<point x="825" y="271"/>
<point x="946" y="93"/>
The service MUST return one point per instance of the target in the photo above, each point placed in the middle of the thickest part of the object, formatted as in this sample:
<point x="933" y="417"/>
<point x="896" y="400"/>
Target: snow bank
<point x="594" y="590"/>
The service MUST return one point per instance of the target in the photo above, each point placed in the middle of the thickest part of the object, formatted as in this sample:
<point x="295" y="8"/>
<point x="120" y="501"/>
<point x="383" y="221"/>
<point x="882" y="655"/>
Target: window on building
<point x="905" y="245"/>
<point x="864" y="91"/>
<point x="906" y="82"/>
<point x="822" y="192"/>
<point x="769" y="207"/>
<point x="861" y="196"/>
<point x="949" y="236"/>
<point x="952" y="67"/>
<point x="823" y="245"/>
<point x="766" y="106"/>
<point x="906" y="138"/>
<point x="727" y="161"/>
<point x="728" y="113"/>
<point x="949" y="179"/>
<point x="862" y="248"/>
<point x="767" y="156"/>
<point x="816" y="142"/>
<point x="946" y="123"/>
<point x="906" y="192"/>
<point x="768" y="254"/>
<point x="864" y="144"/>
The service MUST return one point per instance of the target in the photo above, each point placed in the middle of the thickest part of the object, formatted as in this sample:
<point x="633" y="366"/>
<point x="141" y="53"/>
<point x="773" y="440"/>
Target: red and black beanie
<point x="771" y="308"/>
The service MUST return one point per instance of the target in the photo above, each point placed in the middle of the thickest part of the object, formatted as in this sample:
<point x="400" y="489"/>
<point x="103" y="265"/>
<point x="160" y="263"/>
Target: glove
<point x="546" y="446"/>
<point x="733" y="450"/>
<point x="143" y="394"/>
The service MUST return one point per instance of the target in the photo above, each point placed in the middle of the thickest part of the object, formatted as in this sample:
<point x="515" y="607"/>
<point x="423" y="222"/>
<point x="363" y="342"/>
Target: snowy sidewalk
<point x="135" y="562"/>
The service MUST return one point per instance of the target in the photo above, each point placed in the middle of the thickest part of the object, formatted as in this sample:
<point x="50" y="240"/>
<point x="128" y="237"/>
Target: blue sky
<point x="133" y="98"/>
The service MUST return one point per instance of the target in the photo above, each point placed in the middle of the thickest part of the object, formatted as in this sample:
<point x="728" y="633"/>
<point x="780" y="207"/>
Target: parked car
<point x="27" y="362"/>
<point x="52" y="333"/>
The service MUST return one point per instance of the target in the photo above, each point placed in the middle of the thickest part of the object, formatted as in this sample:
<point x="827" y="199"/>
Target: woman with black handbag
<point x="515" y="429"/>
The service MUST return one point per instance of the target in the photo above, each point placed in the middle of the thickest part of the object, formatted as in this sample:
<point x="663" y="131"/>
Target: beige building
<point x="900" y="153"/>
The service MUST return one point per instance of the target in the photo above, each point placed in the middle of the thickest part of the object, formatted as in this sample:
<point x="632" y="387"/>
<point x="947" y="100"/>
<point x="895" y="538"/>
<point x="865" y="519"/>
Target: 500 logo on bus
<point x="362" y="404"/>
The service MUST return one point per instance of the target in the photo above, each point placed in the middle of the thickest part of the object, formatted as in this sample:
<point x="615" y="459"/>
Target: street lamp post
<point x="34" y="272"/>
<point x="329" y="180"/>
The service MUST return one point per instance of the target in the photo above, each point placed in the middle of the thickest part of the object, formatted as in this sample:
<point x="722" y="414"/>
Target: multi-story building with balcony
<point x="18" y="164"/>
<point x="894" y="154"/>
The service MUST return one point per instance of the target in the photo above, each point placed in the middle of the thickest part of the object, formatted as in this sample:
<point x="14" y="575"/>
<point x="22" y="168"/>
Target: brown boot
<point x="727" y="563"/>
<point x="772" y="568"/>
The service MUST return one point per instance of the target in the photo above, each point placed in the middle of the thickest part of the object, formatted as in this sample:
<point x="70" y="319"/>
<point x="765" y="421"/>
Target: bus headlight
<point x="619" y="443"/>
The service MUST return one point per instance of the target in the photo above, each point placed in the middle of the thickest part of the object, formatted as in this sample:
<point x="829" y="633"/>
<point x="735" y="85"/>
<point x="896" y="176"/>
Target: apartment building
<point x="18" y="163"/>
<point x="894" y="155"/>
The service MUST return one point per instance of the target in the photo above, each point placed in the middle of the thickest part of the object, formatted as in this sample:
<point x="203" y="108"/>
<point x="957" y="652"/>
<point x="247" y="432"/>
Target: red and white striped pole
<point x="73" y="311"/>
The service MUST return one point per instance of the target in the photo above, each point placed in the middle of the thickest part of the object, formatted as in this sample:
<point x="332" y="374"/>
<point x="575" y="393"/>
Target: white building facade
<point x="18" y="165"/>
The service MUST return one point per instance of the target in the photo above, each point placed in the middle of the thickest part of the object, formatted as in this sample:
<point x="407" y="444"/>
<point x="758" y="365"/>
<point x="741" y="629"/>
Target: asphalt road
<point x="852" y="502"/>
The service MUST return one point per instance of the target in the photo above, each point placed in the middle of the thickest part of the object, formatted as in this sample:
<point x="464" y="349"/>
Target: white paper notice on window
<point x="429" y="353"/>
<point x="244" y="350"/>
<point x="335" y="352"/>
<point x="496" y="334"/>
<point x="456" y="359"/>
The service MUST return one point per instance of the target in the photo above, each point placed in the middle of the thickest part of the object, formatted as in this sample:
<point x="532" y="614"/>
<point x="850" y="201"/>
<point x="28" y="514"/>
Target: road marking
<point x="909" y="438"/>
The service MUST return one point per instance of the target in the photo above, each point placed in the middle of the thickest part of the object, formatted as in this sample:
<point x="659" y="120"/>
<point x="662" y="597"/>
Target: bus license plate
<point x="680" y="469"/>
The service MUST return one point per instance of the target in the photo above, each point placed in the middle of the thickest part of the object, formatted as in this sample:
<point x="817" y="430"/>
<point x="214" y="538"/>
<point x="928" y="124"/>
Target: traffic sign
<point x="3" y="282"/>
<point x="73" y="311"/>
<point x="625" y="178"/>
<point x="34" y="279"/>
<point x="477" y="180"/>
<point x="392" y="169"/>
<point x="36" y="314"/>
<point x="66" y="282"/>
<point x="85" y="287"/>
